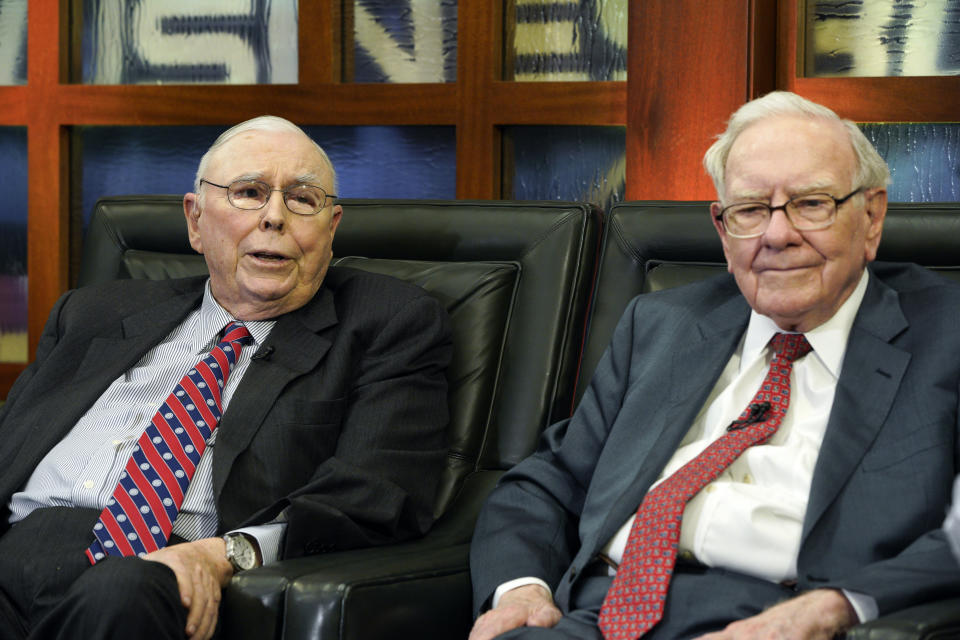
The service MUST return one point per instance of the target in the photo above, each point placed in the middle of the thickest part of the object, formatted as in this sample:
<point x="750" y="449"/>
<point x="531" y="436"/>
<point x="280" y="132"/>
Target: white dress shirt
<point x="750" y="518"/>
<point x="83" y="469"/>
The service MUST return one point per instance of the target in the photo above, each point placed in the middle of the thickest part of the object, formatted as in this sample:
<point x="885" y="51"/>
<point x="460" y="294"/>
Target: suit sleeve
<point x="379" y="485"/>
<point x="925" y="570"/>
<point x="529" y="525"/>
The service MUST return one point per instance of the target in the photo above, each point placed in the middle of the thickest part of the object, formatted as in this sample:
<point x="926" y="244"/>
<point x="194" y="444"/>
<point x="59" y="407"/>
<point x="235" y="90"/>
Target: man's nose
<point x="780" y="231"/>
<point x="273" y="214"/>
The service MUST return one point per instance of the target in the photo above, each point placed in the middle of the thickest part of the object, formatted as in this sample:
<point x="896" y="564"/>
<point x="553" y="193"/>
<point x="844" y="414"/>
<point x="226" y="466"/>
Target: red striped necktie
<point x="634" y="602"/>
<point x="139" y="516"/>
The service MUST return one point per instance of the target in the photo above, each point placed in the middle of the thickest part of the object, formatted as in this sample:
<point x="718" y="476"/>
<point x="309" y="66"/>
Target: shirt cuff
<point x="513" y="584"/>
<point x="952" y="524"/>
<point x="865" y="606"/>
<point x="269" y="537"/>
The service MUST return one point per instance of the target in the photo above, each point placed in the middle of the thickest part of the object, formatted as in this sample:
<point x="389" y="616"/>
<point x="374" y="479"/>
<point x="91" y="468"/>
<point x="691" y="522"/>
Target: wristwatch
<point x="243" y="552"/>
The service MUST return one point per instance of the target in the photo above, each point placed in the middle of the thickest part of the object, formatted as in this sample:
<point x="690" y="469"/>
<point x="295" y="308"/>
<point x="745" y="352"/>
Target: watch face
<point x="240" y="553"/>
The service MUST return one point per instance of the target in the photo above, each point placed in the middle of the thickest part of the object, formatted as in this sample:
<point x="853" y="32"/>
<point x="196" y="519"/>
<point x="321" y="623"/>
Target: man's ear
<point x="876" y="207"/>
<point x="191" y="211"/>
<point x="335" y="217"/>
<point x="715" y="209"/>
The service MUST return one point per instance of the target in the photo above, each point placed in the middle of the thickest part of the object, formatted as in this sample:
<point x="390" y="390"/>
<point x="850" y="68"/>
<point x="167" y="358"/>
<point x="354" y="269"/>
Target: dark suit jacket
<point x="338" y="431"/>
<point x="880" y="486"/>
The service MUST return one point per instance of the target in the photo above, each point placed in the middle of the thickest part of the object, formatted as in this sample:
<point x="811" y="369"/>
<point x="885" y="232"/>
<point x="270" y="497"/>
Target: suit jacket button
<point x="573" y="574"/>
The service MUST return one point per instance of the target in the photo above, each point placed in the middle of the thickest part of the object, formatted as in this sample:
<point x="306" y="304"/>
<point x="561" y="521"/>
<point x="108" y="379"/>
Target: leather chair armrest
<point x="417" y="590"/>
<point x="381" y="592"/>
<point x="940" y="619"/>
<point x="422" y="586"/>
<point x="409" y="591"/>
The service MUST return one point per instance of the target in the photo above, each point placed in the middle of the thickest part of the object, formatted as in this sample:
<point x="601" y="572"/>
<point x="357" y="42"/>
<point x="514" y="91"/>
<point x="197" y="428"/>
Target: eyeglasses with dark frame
<point x="807" y="212"/>
<point x="250" y="195"/>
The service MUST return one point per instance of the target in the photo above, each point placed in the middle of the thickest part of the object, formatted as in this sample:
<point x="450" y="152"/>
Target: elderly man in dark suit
<point x="127" y="502"/>
<point x="766" y="454"/>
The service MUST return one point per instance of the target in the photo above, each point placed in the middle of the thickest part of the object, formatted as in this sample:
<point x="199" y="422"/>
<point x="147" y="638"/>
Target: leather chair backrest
<point x="653" y="245"/>
<point x="515" y="278"/>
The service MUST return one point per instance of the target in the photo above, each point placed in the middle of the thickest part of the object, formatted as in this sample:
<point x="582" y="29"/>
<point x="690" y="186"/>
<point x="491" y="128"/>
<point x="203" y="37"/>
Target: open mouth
<point x="266" y="255"/>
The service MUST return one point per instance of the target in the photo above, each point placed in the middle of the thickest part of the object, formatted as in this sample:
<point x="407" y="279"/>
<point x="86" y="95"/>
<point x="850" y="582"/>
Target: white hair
<point x="260" y="123"/>
<point x="871" y="171"/>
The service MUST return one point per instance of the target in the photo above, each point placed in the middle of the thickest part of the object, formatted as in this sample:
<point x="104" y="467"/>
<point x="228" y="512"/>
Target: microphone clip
<point x="758" y="413"/>
<point x="263" y="353"/>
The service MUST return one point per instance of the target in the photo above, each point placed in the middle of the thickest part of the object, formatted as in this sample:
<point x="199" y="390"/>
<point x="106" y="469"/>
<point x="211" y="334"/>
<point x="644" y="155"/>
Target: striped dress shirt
<point x="83" y="469"/>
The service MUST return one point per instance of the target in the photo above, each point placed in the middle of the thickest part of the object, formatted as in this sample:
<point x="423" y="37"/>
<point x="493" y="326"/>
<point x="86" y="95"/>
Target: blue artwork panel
<point x="924" y="159"/>
<point x="189" y="41"/>
<point x="13" y="245"/>
<point x="580" y="163"/>
<point x="134" y="160"/>
<point x="391" y="162"/>
<point x="569" y="40"/>
<point x="13" y="42"/>
<point x="882" y="37"/>
<point x="371" y="161"/>
<point x="404" y="40"/>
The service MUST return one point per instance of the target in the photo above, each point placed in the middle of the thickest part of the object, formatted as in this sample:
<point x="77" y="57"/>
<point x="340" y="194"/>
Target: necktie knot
<point x="236" y="332"/>
<point x="790" y="346"/>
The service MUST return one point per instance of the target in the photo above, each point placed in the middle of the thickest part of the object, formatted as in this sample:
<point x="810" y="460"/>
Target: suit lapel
<point x="297" y="348"/>
<point x="869" y="380"/>
<point x="717" y="336"/>
<point x="105" y="359"/>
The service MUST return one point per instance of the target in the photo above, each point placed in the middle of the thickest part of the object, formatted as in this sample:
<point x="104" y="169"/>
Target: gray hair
<point x="871" y="172"/>
<point x="260" y="123"/>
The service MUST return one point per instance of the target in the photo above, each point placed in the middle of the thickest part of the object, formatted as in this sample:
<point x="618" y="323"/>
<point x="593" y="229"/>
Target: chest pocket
<point x="931" y="438"/>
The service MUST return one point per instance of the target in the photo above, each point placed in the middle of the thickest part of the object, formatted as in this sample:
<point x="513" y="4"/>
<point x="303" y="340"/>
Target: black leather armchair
<point x="648" y="246"/>
<point x="515" y="278"/>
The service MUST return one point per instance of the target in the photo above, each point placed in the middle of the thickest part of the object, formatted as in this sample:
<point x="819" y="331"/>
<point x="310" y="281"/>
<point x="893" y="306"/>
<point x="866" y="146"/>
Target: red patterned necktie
<point x="635" y="600"/>
<point x="139" y="516"/>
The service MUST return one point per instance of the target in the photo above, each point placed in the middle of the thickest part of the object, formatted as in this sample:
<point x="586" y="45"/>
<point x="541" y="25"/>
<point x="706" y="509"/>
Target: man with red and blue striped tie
<point x="170" y="433"/>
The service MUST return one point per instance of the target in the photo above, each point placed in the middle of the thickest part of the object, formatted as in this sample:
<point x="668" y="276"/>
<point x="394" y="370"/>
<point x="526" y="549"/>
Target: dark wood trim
<point x="479" y="60"/>
<point x="14" y="105"/>
<point x="346" y="41"/>
<point x="318" y="40"/>
<point x="903" y="99"/>
<point x="8" y="374"/>
<point x="48" y="237"/>
<point x="586" y="103"/>
<point x="72" y="62"/>
<point x="509" y="37"/>
<point x="391" y="104"/>
<point x="762" y="47"/>
<point x="677" y="103"/>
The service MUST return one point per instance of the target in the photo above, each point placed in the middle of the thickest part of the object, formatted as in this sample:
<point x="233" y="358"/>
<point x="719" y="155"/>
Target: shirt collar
<point x="829" y="340"/>
<point x="213" y="318"/>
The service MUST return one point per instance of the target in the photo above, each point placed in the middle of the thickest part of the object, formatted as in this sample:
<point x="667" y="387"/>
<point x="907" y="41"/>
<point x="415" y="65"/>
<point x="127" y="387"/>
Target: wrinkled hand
<point x="530" y="605"/>
<point x="816" y="615"/>
<point x="202" y="571"/>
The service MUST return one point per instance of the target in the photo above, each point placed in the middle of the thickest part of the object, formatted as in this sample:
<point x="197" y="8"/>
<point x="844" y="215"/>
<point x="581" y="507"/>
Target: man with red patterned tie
<point x="170" y="433"/>
<point x="766" y="454"/>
